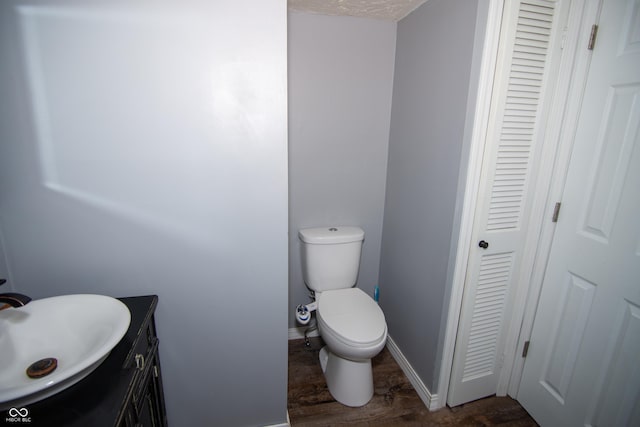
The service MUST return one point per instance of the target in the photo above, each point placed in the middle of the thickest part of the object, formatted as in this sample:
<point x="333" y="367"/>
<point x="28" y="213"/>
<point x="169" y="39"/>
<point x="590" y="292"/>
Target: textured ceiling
<point x="391" y="10"/>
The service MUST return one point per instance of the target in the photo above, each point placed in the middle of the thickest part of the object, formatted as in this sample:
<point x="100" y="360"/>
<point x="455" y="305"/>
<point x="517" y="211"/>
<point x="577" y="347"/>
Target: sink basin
<point x="78" y="330"/>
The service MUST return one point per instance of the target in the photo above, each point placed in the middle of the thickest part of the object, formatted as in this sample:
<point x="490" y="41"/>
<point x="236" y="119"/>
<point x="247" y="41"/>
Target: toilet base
<point x="350" y="382"/>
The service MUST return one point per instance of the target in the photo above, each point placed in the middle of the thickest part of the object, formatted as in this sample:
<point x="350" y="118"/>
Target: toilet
<point x="350" y="322"/>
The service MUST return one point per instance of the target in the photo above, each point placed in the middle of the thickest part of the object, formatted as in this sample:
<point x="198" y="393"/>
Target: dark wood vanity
<point x="124" y="391"/>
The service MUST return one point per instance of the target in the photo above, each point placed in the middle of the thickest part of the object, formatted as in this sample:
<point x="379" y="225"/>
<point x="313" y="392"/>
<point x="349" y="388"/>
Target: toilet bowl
<point x="354" y="330"/>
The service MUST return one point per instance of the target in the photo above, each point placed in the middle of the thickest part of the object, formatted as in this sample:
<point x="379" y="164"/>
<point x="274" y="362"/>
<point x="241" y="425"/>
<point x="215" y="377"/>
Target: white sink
<point x="78" y="330"/>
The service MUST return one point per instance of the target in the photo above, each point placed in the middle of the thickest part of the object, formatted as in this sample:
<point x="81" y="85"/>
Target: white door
<point x="583" y="365"/>
<point x="528" y="42"/>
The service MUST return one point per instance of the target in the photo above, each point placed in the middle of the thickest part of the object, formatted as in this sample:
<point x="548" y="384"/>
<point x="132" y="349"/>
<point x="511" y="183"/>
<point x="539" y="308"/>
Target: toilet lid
<point x="352" y="314"/>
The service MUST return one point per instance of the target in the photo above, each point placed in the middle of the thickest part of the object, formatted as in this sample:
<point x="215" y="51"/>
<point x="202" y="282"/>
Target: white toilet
<point x="350" y="322"/>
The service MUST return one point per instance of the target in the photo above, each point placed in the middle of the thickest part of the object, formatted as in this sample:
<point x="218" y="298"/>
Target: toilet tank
<point x="330" y="256"/>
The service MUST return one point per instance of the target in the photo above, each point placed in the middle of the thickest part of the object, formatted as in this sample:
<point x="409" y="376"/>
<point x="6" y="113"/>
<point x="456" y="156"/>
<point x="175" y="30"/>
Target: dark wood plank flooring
<point x="395" y="402"/>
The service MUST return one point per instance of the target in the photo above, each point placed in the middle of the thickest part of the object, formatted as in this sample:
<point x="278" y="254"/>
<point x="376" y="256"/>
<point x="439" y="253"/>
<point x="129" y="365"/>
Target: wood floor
<point x="394" y="403"/>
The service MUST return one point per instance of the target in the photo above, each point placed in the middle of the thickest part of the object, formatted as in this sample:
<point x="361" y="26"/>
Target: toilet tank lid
<point x="331" y="235"/>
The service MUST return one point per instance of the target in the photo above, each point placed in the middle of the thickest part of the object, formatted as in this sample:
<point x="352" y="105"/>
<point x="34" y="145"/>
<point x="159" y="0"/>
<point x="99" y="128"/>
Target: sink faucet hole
<point x="42" y="367"/>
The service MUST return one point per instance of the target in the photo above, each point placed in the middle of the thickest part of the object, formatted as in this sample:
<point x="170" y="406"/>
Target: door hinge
<point x="556" y="212"/>
<point x="592" y="36"/>
<point x="525" y="349"/>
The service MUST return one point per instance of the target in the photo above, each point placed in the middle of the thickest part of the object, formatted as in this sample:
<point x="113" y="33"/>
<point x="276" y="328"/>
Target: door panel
<point x="617" y="400"/>
<point x="582" y="367"/>
<point x="493" y="282"/>
<point x="566" y="336"/>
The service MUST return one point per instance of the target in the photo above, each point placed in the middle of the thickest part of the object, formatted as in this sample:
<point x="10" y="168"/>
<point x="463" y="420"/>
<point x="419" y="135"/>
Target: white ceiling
<point x="390" y="10"/>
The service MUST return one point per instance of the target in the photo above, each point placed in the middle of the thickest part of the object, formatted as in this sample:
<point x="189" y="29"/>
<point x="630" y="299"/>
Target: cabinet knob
<point x="483" y="244"/>
<point x="139" y="361"/>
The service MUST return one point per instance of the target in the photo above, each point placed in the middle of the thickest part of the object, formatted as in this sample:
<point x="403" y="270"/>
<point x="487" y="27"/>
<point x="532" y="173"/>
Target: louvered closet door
<point x="509" y="163"/>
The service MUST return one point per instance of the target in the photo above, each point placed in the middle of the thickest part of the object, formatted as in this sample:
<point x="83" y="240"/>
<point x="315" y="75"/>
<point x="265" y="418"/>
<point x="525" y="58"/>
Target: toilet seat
<point x="352" y="317"/>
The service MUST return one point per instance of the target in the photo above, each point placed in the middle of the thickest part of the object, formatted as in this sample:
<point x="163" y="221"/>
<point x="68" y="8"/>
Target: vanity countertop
<point x="99" y="399"/>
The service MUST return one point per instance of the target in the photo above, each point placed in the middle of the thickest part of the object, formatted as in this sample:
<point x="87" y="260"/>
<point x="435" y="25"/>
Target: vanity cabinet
<point x="144" y="404"/>
<point x="124" y="391"/>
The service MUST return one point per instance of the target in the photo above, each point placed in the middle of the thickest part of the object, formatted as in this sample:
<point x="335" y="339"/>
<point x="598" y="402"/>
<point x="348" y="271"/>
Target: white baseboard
<point x="298" y="333"/>
<point x="430" y="400"/>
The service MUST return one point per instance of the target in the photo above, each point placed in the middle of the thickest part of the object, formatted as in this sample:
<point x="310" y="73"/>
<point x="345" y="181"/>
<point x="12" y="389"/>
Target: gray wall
<point x="4" y="271"/>
<point x="143" y="150"/>
<point x="340" y="82"/>
<point x="435" y="71"/>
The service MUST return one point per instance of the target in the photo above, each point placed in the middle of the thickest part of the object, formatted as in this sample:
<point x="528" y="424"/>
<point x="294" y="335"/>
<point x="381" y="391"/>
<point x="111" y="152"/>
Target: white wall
<point x="434" y="86"/>
<point x="340" y="81"/>
<point x="143" y="150"/>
